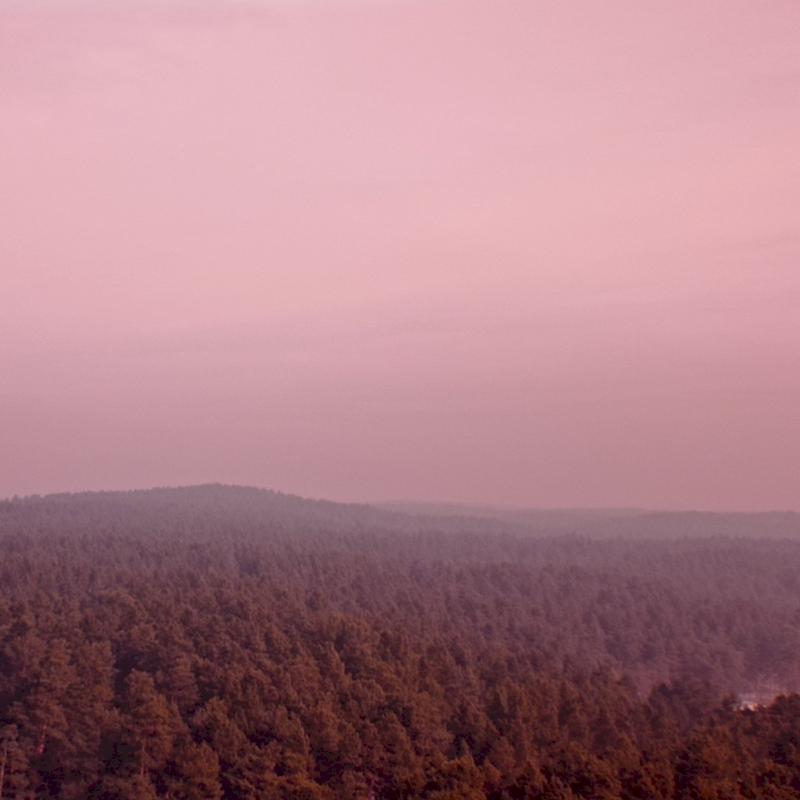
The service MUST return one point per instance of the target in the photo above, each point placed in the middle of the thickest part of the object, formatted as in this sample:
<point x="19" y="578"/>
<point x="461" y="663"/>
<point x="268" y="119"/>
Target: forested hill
<point x="230" y="642"/>
<point x="623" y="522"/>
<point x="198" y="509"/>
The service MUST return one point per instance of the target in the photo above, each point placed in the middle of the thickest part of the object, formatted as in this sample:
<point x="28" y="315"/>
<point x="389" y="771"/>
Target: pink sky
<point x="536" y="253"/>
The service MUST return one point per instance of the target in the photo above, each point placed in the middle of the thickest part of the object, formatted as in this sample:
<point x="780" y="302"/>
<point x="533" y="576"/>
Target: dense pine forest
<point x="223" y="642"/>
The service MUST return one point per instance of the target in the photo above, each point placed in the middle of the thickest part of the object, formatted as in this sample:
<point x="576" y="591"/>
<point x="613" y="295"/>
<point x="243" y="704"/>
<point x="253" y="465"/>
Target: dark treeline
<point x="220" y="642"/>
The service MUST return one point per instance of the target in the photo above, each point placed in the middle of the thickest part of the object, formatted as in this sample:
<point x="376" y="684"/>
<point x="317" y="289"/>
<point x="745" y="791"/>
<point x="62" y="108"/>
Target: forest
<point x="226" y="642"/>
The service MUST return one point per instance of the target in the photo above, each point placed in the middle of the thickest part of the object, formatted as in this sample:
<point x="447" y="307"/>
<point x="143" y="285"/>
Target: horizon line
<point x="406" y="505"/>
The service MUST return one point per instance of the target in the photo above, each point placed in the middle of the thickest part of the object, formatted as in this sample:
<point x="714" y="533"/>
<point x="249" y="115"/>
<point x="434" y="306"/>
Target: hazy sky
<point x="541" y="253"/>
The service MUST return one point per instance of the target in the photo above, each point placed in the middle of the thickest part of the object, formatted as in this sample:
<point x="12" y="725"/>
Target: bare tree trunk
<point x="3" y="768"/>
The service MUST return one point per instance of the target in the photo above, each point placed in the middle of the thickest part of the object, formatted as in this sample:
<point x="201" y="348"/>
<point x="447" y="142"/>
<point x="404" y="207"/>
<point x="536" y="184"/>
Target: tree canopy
<point x="221" y="642"/>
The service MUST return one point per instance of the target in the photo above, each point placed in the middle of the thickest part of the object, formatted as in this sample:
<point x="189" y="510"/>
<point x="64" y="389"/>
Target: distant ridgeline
<point x="216" y="641"/>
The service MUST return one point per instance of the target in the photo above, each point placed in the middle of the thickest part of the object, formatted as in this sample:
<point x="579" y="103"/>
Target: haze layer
<point x="533" y="253"/>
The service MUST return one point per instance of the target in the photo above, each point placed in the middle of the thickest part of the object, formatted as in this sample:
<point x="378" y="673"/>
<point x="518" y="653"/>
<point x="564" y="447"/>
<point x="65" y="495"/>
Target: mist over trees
<point x="224" y="642"/>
